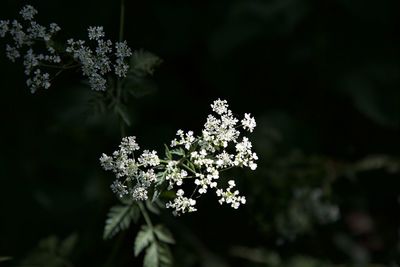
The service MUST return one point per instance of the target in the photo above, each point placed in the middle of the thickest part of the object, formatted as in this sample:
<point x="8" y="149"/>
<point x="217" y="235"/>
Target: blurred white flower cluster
<point x="35" y="45"/>
<point x="98" y="62"/>
<point x="193" y="162"/>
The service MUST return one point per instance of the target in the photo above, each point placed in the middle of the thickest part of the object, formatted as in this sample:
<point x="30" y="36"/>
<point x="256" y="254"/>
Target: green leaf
<point x="151" y="256"/>
<point x="152" y="208"/>
<point x="161" y="178"/>
<point x="120" y="218"/>
<point x="143" y="63"/>
<point x="156" y="194"/>
<point x="163" y="234"/>
<point x="143" y="239"/>
<point x="167" y="152"/>
<point x="178" y="152"/>
<point x="164" y="255"/>
<point x="67" y="245"/>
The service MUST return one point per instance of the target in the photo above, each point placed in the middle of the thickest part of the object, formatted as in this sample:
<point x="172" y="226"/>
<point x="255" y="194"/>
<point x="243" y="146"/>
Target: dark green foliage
<point x="52" y="252"/>
<point x="155" y="243"/>
<point x="120" y="218"/>
<point x="143" y="238"/>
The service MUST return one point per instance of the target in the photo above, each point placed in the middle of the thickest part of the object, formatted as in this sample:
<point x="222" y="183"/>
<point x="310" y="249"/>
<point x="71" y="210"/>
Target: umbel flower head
<point x="191" y="160"/>
<point x="35" y="45"/>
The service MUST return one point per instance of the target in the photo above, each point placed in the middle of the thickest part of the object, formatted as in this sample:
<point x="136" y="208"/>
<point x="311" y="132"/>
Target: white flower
<point x="186" y="139"/>
<point x="12" y="53"/>
<point x="181" y="204"/>
<point x="248" y="122"/>
<point x="122" y="50"/>
<point x="139" y="193"/>
<point x="120" y="189"/>
<point x="175" y="175"/>
<point x="149" y="158"/>
<point x="95" y="33"/>
<point x="106" y="162"/>
<point x="39" y="80"/>
<point x="129" y="144"/>
<point x="229" y="197"/>
<point x="149" y="177"/>
<point x="28" y="12"/>
<point x="220" y="106"/>
<point x="4" y="27"/>
<point x="54" y="28"/>
<point x="201" y="158"/>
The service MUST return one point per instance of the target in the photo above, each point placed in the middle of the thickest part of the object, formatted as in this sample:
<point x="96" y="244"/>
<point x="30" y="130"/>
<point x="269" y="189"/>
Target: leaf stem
<point x="118" y="84"/>
<point x="145" y="215"/>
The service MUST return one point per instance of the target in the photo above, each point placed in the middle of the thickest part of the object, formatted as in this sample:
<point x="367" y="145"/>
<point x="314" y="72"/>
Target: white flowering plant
<point x="199" y="159"/>
<point x="191" y="162"/>
<point x="144" y="181"/>
<point x="111" y="68"/>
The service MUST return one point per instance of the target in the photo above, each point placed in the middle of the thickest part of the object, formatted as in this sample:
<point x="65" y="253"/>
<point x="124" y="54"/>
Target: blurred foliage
<point x="322" y="79"/>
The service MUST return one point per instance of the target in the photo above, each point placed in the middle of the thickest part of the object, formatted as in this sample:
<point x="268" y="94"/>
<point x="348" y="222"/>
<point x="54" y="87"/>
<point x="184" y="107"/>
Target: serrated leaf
<point x="120" y="218"/>
<point x="151" y="256"/>
<point x="167" y="152"/>
<point x="161" y="178"/>
<point x="163" y="234"/>
<point x="178" y="152"/>
<point x="164" y="255"/>
<point x="143" y="239"/>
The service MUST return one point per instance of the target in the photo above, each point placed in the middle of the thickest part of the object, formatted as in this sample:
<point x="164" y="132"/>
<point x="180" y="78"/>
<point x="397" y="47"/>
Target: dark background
<point x="322" y="79"/>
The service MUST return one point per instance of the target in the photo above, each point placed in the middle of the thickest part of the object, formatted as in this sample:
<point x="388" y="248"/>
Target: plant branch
<point x="145" y="215"/>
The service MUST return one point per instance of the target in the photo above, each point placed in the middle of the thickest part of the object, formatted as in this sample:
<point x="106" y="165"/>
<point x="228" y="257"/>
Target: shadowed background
<point x="322" y="79"/>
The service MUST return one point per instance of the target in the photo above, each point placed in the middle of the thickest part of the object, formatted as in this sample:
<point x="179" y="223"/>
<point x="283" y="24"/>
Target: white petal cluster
<point x="184" y="139"/>
<point x="174" y="174"/>
<point x="24" y="37"/>
<point x="98" y="62"/>
<point x="28" y="12"/>
<point x="181" y="204"/>
<point x="34" y="44"/>
<point x="230" y="197"/>
<point x="192" y="160"/>
<point x="248" y="123"/>
<point x="133" y="176"/>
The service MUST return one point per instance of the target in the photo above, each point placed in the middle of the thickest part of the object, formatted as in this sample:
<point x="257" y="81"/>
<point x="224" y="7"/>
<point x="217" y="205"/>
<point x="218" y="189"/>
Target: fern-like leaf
<point x="151" y="256"/>
<point x="163" y="234"/>
<point x="120" y="218"/>
<point x="143" y="239"/>
<point x="164" y="255"/>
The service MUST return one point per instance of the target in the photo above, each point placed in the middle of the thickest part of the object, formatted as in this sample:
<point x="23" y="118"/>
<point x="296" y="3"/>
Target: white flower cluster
<point x="231" y="197"/>
<point x="182" y="204"/>
<point x="200" y="159"/>
<point x="96" y="63"/>
<point x="133" y="176"/>
<point x="24" y="36"/>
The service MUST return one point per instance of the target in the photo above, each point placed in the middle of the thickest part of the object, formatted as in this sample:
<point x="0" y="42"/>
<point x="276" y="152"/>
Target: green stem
<point x="188" y="168"/>
<point x="122" y="21"/>
<point x="118" y="84"/>
<point x="145" y="215"/>
<point x="65" y="67"/>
